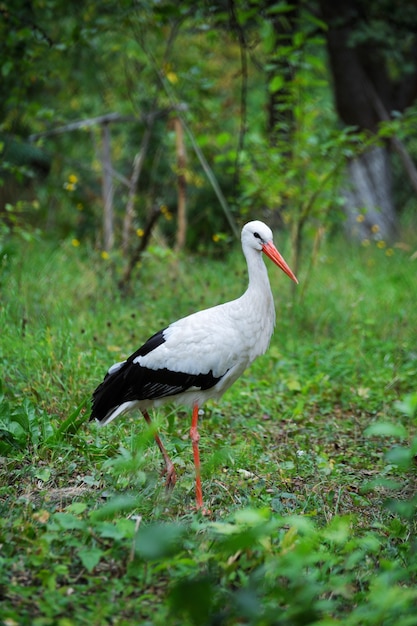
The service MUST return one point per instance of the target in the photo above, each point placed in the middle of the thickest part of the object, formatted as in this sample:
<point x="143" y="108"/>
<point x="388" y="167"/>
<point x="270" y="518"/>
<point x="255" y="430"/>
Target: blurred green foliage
<point x="220" y="65"/>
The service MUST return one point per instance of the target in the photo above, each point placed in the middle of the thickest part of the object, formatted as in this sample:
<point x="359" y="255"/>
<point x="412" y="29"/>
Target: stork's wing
<point x="130" y="381"/>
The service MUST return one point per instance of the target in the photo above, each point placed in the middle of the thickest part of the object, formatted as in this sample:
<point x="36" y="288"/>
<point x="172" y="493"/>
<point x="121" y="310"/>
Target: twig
<point x="146" y="119"/>
<point x="136" y="256"/>
<point x="133" y="183"/>
<point x="81" y="124"/>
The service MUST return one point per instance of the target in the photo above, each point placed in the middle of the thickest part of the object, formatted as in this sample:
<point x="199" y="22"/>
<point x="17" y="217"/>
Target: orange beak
<point x="270" y="250"/>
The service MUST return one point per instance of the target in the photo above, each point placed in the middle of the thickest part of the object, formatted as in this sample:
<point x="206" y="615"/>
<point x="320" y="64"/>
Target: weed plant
<point x="308" y="460"/>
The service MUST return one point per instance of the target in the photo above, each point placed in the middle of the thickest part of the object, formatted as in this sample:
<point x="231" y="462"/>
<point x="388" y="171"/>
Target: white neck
<point x="258" y="275"/>
<point x="259" y="302"/>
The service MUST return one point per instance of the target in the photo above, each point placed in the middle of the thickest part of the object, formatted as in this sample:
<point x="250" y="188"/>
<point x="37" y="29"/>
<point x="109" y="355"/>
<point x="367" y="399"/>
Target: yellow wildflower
<point x="166" y="212"/>
<point x="389" y="251"/>
<point x="375" y="228"/>
<point x="216" y="237"/>
<point x="140" y="232"/>
<point x="172" y="77"/>
<point x="75" y="242"/>
<point x="381" y="244"/>
<point x="72" y="178"/>
<point x="105" y="255"/>
<point x="360" y="218"/>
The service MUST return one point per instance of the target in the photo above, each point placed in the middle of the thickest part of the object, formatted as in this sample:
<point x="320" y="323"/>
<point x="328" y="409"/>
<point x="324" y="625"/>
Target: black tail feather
<point x="109" y="395"/>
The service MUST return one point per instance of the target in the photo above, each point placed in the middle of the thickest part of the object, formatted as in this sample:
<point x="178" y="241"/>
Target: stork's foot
<point x="204" y="512"/>
<point x="171" y="476"/>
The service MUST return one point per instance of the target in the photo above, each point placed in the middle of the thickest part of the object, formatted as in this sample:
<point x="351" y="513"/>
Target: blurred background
<point x="119" y="120"/>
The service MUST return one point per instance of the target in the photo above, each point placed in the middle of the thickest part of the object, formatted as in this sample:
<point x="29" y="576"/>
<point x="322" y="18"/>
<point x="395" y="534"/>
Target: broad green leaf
<point x="386" y="429"/>
<point x="408" y="405"/>
<point x="158" y="541"/>
<point x="76" y="507"/>
<point x="115" y="506"/>
<point x="90" y="557"/>
<point x="43" y="474"/>
<point x="276" y="83"/>
<point x="400" y="456"/>
<point x="68" y="521"/>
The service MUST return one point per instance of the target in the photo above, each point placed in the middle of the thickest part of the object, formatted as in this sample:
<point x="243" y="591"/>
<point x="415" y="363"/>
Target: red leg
<point x="169" y="466"/>
<point x="195" y="437"/>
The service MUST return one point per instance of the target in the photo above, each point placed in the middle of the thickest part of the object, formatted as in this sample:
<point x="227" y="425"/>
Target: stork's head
<point x="258" y="236"/>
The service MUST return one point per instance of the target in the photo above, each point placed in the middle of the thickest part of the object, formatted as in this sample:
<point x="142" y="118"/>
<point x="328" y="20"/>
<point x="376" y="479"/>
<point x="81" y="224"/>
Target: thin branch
<point x="212" y="179"/>
<point x="137" y="254"/>
<point x="81" y="124"/>
<point x="133" y="183"/>
<point x="147" y="118"/>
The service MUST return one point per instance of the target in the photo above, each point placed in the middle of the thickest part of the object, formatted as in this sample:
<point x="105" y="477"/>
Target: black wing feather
<point x="133" y="382"/>
<point x="153" y="342"/>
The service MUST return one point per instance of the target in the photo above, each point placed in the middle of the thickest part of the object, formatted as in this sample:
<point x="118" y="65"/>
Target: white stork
<point x="199" y="356"/>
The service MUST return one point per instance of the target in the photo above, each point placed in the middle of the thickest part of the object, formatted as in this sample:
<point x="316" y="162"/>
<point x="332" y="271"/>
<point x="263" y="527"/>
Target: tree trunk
<point x="181" y="185"/>
<point x="364" y="86"/>
<point x="369" y="208"/>
<point x="107" y="189"/>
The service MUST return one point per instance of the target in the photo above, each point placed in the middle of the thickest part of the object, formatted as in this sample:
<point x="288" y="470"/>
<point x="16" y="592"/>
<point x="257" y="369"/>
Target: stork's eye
<point x="257" y="235"/>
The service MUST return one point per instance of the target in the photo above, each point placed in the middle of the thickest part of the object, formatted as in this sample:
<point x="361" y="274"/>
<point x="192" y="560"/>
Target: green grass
<point x="308" y="460"/>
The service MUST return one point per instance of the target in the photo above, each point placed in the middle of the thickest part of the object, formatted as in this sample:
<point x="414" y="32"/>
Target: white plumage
<point x="199" y="356"/>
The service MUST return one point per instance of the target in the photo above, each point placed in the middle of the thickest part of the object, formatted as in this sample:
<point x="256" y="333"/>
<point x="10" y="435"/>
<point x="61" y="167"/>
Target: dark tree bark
<point x="361" y="77"/>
